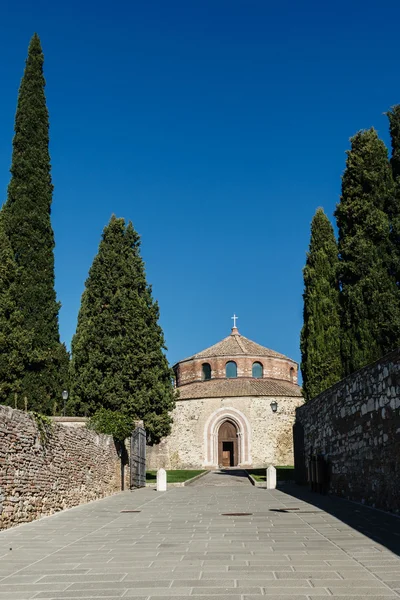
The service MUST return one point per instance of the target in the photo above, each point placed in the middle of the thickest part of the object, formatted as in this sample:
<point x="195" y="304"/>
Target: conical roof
<point x="228" y="388"/>
<point x="236" y="344"/>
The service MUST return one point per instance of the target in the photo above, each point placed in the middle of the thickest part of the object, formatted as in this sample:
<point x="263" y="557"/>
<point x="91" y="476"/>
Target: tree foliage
<point x="393" y="207"/>
<point x="394" y="125"/>
<point x="28" y="227"/>
<point x="15" y="339"/>
<point x="118" y="361"/>
<point x="111" y="422"/>
<point x="320" y="337"/>
<point x="369" y="295"/>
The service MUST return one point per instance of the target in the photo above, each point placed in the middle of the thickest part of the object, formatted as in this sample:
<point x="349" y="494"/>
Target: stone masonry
<point x="209" y="397"/>
<point x="268" y="435"/>
<point x="356" y="425"/>
<point x="41" y="476"/>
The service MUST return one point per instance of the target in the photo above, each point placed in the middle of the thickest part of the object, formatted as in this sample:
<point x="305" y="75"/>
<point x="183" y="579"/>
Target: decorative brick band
<point x="190" y="371"/>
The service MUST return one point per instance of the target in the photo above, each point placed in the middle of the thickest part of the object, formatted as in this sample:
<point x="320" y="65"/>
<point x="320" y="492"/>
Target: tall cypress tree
<point x="117" y="352"/>
<point x="369" y="295"/>
<point x="15" y="340"/>
<point x="321" y="364"/>
<point x="394" y="124"/>
<point x="393" y="207"/>
<point x="28" y="227"/>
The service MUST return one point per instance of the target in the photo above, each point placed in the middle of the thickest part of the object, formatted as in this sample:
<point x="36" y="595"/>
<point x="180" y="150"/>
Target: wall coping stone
<point x="349" y="378"/>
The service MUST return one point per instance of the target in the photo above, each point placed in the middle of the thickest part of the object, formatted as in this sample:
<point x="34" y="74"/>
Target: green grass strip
<point x="172" y="476"/>
<point x="284" y="473"/>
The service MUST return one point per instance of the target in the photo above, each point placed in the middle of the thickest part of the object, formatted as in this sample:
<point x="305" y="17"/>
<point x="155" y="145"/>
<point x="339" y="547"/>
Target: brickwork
<point x="356" y="424"/>
<point x="244" y="352"/>
<point x="274" y="368"/>
<point x="38" y="477"/>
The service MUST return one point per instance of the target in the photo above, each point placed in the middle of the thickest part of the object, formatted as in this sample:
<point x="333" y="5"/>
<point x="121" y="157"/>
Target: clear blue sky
<point x="217" y="127"/>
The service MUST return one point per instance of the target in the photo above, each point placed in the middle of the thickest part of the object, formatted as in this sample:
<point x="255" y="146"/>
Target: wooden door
<point x="227" y="445"/>
<point x="227" y="454"/>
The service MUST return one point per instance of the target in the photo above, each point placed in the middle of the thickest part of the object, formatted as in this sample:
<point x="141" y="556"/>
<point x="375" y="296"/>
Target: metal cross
<point x="234" y="320"/>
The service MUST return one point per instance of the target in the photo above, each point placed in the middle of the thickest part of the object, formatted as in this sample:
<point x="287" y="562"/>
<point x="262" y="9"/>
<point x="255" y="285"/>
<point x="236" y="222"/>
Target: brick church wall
<point x="356" y="425"/>
<point x="38" y="478"/>
<point x="283" y="369"/>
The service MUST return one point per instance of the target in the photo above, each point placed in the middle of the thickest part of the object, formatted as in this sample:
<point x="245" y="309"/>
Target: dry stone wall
<point x="41" y="476"/>
<point x="356" y="425"/>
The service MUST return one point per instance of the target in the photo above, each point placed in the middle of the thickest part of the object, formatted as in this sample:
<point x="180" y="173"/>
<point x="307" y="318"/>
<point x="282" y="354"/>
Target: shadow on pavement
<point x="381" y="527"/>
<point x="232" y="473"/>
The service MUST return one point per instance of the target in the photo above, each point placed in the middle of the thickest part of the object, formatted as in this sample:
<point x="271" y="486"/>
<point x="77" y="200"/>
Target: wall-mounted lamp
<point x="65" y="398"/>
<point x="274" y="406"/>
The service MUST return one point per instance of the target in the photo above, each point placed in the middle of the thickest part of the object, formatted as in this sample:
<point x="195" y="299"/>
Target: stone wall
<point x="264" y="437"/>
<point x="71" y="421"/>
<point x="356" y="424"/>
<point x="40" y="476"/>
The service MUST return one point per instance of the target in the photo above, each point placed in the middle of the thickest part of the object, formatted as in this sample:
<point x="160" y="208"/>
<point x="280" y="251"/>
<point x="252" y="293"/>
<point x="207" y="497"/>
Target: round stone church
<point x="235" y="408"/>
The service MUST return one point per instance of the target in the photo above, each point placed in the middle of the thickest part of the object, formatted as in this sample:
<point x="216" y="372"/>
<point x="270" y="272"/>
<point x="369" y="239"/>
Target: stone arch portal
<point x="228" y="444"/>
<point x="224" y="421"/>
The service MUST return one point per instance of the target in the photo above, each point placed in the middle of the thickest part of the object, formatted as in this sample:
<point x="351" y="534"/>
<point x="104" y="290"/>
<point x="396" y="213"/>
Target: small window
<point x="231" y="369"/>
<point x="257" y="370"/>
<point x="292" y="374"/>
<point x="205" y="371"/>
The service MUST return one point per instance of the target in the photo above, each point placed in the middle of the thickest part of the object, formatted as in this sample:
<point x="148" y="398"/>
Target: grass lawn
<point x="172" y="476"/>
<point x="282" y="473"/>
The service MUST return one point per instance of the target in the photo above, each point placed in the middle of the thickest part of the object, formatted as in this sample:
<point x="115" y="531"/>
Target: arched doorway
<point x="228" y="444"/>
<point x="243" y="439"/>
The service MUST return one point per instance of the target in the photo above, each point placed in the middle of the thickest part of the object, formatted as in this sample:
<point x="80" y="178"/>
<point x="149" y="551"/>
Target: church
<point x="235" y="408"/>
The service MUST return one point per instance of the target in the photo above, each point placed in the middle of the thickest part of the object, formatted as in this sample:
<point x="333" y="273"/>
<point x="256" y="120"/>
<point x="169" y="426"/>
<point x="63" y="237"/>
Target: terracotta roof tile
<point x="236" y="345"/>
<point x="216" y="388"/>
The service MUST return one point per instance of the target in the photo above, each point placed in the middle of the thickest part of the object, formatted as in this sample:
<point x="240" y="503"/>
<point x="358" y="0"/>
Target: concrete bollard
<point x="161" y="480"/>
<point x="271" y="478"/>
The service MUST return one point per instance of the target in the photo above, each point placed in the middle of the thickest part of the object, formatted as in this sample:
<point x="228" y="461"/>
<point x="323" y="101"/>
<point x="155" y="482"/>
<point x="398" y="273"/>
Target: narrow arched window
<point x="231" y="369"/>
<point x="292" y="374"/>
<point x="257" y="370"/>
<point x="205" y="371"/>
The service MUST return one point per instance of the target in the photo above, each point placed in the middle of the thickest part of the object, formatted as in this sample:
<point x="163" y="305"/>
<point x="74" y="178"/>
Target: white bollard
<point x="161" y="480"/>
<point x="271" y="478"/>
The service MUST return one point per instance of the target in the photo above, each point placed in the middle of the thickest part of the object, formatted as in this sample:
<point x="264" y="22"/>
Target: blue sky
<point x="217" y="127"/>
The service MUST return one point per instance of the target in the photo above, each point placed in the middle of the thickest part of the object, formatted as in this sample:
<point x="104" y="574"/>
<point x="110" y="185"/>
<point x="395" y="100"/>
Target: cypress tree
<point x="369" y="295"/>
<point x="393" y="207"/>
<point x="118" y="361"/>
<point x="394" y="124"/>
<point x="321" y="364"/>
<point x="15" y="340"/>
<point x="28" y="226"/>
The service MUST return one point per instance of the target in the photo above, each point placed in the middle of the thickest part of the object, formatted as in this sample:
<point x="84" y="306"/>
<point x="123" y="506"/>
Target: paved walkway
<point x="223" y="477"/>
<point x="182" y="545"/>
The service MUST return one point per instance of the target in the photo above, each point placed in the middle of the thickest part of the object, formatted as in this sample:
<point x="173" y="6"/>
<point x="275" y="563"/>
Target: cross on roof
<point x="234" y="320"/>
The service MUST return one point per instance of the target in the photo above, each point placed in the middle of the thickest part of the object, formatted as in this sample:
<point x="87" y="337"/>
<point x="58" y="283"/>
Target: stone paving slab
<point x="223" y="478"/>
<point x="181" y="545"/>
